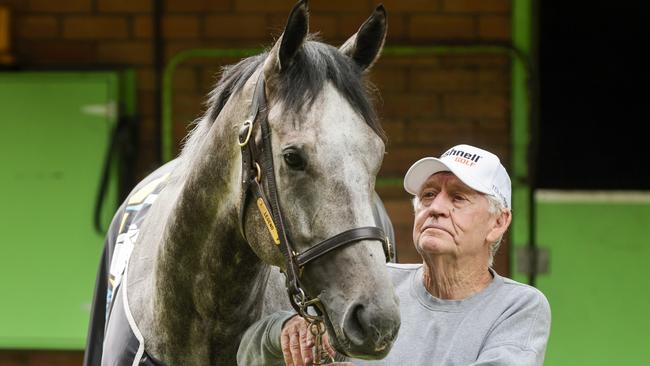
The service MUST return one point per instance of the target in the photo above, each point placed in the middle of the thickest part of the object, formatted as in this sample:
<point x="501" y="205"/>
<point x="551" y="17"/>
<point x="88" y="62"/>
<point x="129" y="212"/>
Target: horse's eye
<point x="294" y="160"/>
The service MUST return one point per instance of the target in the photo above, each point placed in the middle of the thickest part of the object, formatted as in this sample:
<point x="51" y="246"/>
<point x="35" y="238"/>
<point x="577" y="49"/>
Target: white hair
<point x="495" y="207"/>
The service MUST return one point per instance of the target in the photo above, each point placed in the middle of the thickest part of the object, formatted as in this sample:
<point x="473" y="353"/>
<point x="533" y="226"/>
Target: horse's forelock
<point x="316" y="63"/>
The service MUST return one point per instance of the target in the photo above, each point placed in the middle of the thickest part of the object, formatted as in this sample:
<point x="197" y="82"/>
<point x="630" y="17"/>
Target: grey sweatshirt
<point x="507" y="323"/>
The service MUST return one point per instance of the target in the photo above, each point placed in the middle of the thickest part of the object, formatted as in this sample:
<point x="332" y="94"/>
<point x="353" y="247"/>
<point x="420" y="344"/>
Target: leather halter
<point x="257" y="171"/>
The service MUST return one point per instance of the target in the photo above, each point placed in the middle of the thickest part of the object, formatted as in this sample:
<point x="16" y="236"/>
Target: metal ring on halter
<point x="258" y="176"/>
<point x="389" y="248"/>
<point x="300" y="301"/>
<point x="247" y="123"/>
<point x="304" y="304"/>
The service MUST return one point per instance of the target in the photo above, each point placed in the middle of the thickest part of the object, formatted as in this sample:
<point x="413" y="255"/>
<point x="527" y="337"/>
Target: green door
<point x="597" y="284"/>
<point x="54" y="134"/>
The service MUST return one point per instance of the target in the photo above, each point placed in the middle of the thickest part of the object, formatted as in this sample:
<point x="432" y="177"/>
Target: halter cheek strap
<point x="258" y="173"/>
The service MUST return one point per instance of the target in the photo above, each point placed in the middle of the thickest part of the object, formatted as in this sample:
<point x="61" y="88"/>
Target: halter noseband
<point x="257" y="170"/>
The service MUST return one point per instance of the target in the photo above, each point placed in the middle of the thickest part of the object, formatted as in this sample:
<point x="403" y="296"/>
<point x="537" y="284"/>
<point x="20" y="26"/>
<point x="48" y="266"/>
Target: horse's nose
<point x="371" y="329"/>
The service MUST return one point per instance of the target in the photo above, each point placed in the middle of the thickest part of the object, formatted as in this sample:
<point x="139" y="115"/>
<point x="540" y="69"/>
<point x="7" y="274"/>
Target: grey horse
<point x="189" y="264"/>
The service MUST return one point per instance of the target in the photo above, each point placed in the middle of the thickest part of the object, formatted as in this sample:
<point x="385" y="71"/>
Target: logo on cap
<point x="462" y="157"/>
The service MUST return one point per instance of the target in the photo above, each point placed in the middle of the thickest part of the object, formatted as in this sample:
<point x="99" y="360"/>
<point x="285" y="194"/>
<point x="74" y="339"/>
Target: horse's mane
<point x="298" y="85"/>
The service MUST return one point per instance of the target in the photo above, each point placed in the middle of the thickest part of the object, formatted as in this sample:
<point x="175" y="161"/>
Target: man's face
<point x="451" y="219"/>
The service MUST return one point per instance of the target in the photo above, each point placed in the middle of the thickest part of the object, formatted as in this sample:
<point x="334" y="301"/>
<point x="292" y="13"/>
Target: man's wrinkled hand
<point x="297" y="343"/>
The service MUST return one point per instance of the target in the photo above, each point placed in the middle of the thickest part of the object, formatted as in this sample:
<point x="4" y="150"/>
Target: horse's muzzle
<point x="369" y="331"/>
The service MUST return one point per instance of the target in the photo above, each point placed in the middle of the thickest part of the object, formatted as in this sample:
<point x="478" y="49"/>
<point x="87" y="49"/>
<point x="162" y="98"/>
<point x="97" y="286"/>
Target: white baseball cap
<point x="479" y="169"/>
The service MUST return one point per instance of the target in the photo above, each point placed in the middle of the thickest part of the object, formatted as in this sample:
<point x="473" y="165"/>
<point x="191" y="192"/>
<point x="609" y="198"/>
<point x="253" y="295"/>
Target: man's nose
<point x="441" y="205"/>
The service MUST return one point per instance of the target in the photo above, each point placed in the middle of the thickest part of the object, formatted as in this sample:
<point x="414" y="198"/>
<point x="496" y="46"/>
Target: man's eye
<point x="428" y="195"/>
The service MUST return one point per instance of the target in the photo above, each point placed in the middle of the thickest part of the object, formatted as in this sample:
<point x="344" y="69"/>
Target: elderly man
<point x="455" y="309"/>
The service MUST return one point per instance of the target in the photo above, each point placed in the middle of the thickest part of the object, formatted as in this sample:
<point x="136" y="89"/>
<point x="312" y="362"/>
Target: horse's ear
<point x="291" y="39"/>
<point x="365" y="46"/>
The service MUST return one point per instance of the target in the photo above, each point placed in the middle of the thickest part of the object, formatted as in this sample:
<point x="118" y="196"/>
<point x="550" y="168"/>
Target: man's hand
<point x="297" y="343"/>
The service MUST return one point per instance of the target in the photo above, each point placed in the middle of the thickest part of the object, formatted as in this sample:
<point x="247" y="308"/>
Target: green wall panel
<point x="598" y="281"/>
<point x="55" y="129"/>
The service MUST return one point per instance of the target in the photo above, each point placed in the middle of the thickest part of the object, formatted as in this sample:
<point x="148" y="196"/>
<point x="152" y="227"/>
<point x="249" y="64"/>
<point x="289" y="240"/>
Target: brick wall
<point x="427" y="103"/>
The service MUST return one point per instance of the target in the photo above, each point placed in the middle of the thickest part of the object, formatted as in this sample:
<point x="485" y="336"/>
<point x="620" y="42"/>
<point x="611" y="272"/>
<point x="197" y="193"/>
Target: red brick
<point x="146" y="78"/>
<point x="393" y="79"/>
<point x="236" y="27"/>
<point x="478" y="59"/>
<point x="410" y="105"/>
<point x="172" y="48"/>
<point x="266" y="6"/>
<point x="413" y="6"/>
<point x="276" y="24"/>
<point x="13" y="358"/>
<point x="397" y="28"/>
<point x="349" y="24"/>
<point x="475" y="106"/>
<point x="40" y="357"/>
<point x="180" y="27"/>
<point x="147" y="126"/>
<point x="438" y="131"/>
<point x="61" y="6"/>
<point x="494" y="27"/>
<point x="399" y="158"/>
<point x="185" y="79"/>
<point x="99" y="27"/>
<point x="325" y="25"/>
<point x="125" y="6"/>
<point x="56" y="52"/>
<point x="188" y="105"/>
<point x="496" y="127"/>
<point x="339" y="6"/>
<point x="37" y="27"/>
<point x="15" y="5"/>
<point x="142" y="27"/>
<point x="447" y="79"/>
<point x="400" y="211"/>
<point x="199" y="5"/>
<point x="388" y="60"/>
<point x="209" y="76"/>
<point x="502" y="258"/>
<point x="395" y="130"/>
<point x="146" y="112"/>
<point x="285" y="6"/>
<point x="447" y="27"/>
<point x="493" y="79"/>
<point x="131" y="52"/>
<point x="477" y="6"/>
<point x="147" y="157"/>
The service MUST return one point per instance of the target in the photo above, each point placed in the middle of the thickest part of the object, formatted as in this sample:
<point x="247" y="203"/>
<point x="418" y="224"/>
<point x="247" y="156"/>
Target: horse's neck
<point x="208" y="284"/>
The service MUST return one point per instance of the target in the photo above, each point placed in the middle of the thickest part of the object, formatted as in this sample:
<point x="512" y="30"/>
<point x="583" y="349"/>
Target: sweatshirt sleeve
<point x="520" y="338"/>
<point x="260" y="345"/>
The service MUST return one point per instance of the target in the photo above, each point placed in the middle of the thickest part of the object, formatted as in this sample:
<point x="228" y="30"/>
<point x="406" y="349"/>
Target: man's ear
<point x="365" y="46"/>
<point x="500" y="226"/>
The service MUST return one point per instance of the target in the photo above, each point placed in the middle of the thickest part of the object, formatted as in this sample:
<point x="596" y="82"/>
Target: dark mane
<point x="233" y="78"/>
<point x="300" y="84"/>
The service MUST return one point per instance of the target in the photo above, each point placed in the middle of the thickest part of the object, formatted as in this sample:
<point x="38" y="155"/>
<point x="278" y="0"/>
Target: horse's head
<point x="327" y="147"/>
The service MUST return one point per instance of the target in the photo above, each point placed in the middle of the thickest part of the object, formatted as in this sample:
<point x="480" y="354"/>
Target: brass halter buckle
<point x="248" y="125"/>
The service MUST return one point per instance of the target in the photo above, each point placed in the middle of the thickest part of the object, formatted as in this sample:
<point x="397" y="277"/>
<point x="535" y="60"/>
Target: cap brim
<point x="422" y="169"/>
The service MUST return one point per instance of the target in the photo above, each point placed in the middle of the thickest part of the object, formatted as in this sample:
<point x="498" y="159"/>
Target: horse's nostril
<point x="369" y="329"/>
<point x="355" y="325"/>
